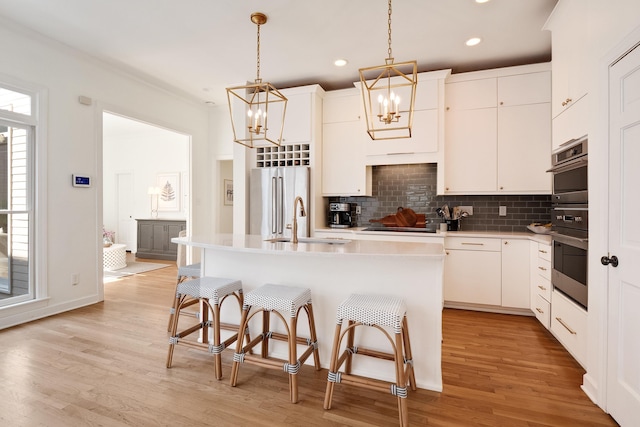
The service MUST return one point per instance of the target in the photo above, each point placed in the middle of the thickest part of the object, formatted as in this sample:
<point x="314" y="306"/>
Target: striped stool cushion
<point x="373" y="310"/>
<point x="191" y="270"/>
<point x="284" y="299"/>
<point x="212" y="288"/>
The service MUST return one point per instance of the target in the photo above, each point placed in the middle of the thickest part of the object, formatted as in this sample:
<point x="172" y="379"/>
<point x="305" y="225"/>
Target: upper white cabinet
<point x="427" y="132"/>
<point x="498" y="131"/>
<point x="570" y="80"/>
<point x="344" y="172"/>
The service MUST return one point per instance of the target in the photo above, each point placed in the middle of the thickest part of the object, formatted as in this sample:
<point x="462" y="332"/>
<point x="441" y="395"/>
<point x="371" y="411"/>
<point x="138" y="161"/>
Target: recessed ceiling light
<point x="473" y="41"/>
<point x="481" y="1"/>
<point x="340" y="62"/>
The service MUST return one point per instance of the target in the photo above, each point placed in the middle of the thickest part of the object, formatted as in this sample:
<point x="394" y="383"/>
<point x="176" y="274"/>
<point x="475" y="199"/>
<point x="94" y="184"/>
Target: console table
<point x="114" y="257"/>
<point x="154" y="238"/>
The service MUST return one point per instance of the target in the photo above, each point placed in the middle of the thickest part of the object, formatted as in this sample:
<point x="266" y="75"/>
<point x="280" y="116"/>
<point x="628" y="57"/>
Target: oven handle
<point x="572" y="241"/>
<point x="569" y="165"/>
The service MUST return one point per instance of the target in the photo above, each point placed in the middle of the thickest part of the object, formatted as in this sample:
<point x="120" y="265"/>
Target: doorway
<point x="138" y="157"/>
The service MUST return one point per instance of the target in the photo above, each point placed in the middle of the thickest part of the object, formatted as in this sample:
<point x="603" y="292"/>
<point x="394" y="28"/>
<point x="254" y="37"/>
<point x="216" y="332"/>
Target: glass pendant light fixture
<point x="257" y="109"/>
<point x="389" y="93"/>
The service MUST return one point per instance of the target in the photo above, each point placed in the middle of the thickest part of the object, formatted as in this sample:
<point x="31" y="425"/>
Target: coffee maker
<point x="341" y="215"/>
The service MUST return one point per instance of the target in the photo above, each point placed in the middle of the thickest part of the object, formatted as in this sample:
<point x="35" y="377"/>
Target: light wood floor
<point x="104" y="365"/>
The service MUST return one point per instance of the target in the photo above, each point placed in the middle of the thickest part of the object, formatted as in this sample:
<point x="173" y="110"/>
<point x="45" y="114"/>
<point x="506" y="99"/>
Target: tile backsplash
<point x="414" y="186"/>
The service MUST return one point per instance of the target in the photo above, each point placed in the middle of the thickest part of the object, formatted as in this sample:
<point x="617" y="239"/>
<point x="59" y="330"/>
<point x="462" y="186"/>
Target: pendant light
<point x="389" y="93"/>
<point x="257" y="109"/>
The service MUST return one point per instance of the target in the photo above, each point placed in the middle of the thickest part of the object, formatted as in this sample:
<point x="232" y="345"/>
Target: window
<point x="17" y="129"/>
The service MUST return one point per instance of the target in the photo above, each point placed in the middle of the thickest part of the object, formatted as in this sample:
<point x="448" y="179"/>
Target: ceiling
<point x="199" y="47"/>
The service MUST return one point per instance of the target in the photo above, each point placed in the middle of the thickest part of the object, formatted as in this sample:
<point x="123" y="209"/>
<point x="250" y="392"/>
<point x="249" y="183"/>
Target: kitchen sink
<point x="309" y="240"/>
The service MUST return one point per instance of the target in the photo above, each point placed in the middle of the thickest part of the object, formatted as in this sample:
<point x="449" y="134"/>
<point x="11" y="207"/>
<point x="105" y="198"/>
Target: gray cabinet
<point x="154" y="238"/>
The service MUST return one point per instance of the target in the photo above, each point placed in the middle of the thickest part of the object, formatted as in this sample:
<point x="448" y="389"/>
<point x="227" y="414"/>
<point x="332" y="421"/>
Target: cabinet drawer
<point x="542" y="310"/>
<point x="569" y="325"/>
<point x="544" y="251"/>
<point x="542" y="287"/>
<point x="544" y="268"/>
<point x="473" y="244"/>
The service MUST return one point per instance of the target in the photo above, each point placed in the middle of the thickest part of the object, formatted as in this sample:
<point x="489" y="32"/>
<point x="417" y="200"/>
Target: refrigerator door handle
<point x="274" y="195"/>
<point x="280" y="207"/>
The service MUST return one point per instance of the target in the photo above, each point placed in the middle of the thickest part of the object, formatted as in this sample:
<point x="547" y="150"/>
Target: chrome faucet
<point x="294" y="231"/>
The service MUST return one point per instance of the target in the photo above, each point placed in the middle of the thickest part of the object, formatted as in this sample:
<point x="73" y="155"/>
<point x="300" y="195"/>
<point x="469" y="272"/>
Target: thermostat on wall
<point x="81" y="181"/>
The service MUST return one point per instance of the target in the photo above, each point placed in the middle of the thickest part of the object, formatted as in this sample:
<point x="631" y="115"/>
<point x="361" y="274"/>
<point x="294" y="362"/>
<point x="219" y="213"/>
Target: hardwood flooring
<point x="104" y="365"/>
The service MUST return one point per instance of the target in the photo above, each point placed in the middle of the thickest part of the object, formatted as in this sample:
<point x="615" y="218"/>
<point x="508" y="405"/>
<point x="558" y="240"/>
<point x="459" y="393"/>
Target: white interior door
<point x="623" y="372"/>
<point x="126" y="222"/>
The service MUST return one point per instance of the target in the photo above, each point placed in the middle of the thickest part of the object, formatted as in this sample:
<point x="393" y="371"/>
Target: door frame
<point x="595" y="381"/>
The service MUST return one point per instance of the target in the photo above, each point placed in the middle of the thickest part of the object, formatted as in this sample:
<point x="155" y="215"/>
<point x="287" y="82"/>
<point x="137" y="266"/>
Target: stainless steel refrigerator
<point x="272" y="192"/>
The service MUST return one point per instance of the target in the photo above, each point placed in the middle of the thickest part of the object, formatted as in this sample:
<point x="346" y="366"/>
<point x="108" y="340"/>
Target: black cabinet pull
<point x="605" y="260"/>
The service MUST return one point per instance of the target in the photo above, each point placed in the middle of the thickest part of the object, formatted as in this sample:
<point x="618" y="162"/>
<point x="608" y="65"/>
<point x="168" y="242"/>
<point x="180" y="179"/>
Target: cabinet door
<point x="342" y="106"/>
<point x="515" y="274"/>
<point x="471" y="94"/>
<point x="424" y="137"/>
<point x="343" y="169"/>
<point x="297" y="124"/>
<point x="173" y="230"/>
<point x="472" y="277"/>
<point x="524" y="149"/>
<point x="145" y="236"/>
<point x="160" y="237"/>
<point x="471" y="151"/>
<point x="523" y="89"/>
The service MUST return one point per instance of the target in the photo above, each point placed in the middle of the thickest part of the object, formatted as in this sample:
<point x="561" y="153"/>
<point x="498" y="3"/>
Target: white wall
<point x="74" y="216"/>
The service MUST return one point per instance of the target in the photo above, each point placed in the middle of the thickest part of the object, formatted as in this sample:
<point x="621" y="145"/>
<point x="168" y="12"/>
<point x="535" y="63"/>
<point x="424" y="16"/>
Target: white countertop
<point x="255" y="243"/>
<point x="345" y="232"/>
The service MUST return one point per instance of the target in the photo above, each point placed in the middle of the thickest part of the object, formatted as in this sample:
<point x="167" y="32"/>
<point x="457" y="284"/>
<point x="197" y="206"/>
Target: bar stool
<point x="211" y="293"/>
<point x="185" y="271"/>
<point x="285" y="302"/>
<point x="378" y="312"/>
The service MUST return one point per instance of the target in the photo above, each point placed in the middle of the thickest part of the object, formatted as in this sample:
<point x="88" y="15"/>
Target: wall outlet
<point x="502" y="211"/>
<point x="467" y="209"/>
<point x="358" y="210"/>
<point x="75" y="278"/>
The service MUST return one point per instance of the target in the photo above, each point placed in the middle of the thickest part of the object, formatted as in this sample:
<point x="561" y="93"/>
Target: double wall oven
<point x="570" y="218"/>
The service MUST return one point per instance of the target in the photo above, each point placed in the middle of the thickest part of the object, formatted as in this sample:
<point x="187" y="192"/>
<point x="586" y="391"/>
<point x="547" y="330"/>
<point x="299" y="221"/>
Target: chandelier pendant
<point x="388" y="93"/>
<point x="257" y="109"/>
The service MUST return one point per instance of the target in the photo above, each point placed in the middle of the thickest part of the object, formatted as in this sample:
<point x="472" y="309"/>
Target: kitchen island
<point x="333" y="269"/>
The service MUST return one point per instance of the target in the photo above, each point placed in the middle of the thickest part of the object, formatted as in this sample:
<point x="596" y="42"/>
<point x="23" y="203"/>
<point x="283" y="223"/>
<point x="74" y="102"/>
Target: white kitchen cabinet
<point x="570" y="80"/>
<point x="541" y="282"/>
<point x="472" y="271"/>
<point x="427" y="134"/>
<point x="344" y="172"/>
<point x="515" y="273"/>
<point x="496" y="119"/>
<point x="297" y="125"/>
<point x="569" y="325"/>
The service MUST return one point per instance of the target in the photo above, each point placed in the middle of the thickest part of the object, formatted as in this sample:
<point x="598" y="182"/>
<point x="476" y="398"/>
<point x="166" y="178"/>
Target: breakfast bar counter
<point x="333" y="269"/>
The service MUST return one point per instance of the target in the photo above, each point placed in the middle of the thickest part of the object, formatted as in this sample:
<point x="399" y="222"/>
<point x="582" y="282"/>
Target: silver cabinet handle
<point x="571" y="331"/>
<point x="542" y="268"/>
<point x="542" y="251"/>
<point x="472" y="244"/>
<point x="539" y="310"/>
<point x="542" y="287"/>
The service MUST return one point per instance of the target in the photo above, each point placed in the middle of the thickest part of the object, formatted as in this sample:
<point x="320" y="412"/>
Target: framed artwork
<point x="227" y="192"/>
<point x="169" y="197"/>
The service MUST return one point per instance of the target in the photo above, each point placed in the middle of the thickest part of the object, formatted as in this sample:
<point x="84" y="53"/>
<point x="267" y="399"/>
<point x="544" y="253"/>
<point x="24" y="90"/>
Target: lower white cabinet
<point x="569" y="326"/>
<point x="472" y="271"/>
<point x="541" y="282"/>
<point x="488" y="272"/>
<point x="515" y="273"/>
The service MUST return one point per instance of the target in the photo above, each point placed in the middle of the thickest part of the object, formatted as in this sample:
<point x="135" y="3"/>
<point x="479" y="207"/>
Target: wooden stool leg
<point x="410" y="373"/>
<point x="350" y="344"/>
<point x="172" y="315"/>
<point x="243" y="326"/>
<point x="217" y="358"/>
<point x="293" y="358"/>
<point x="401" y="382"/>
<point x="313" y="336"/>
<point x="333" y="366"/>
<point x="266" y="316"/>
<point x="174" y="328"/>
